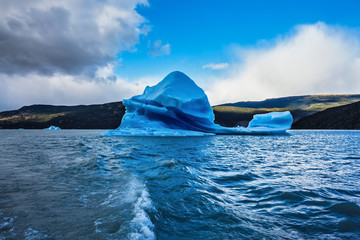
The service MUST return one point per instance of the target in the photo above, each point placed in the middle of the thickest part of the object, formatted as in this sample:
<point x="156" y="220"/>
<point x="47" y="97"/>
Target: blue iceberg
<point x="176" y="106"/>
<point x="52" y="128"/>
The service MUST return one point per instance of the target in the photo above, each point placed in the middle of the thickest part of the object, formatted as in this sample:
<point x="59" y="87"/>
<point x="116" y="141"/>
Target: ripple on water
<point x="235" y="178"/>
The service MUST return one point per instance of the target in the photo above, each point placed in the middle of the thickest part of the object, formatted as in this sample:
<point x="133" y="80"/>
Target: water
<point x="78" y="185"/>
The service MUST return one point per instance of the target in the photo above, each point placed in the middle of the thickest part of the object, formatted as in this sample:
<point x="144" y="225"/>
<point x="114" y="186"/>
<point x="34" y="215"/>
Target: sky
<point x="73" y="52"/>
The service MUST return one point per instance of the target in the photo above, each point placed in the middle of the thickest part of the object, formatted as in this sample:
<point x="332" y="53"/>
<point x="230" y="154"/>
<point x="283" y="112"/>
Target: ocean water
<point x="74" y="184"/>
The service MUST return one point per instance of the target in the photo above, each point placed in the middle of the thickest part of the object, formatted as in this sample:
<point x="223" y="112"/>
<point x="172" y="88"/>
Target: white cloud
<point x="314" y="59"/>
<point x="106" y="72"/>
<point x="216" y="66"/>
<point x="59" y="89"/>
<point x="158" y="49"/>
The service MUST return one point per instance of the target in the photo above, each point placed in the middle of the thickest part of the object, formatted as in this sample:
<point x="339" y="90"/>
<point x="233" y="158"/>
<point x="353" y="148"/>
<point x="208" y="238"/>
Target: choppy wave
<point x="142" y="227"/>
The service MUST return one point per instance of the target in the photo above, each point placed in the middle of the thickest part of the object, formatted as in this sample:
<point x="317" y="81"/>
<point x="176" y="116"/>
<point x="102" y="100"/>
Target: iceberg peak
<point x="176" y="86"/>
<point x="177" y="106"/>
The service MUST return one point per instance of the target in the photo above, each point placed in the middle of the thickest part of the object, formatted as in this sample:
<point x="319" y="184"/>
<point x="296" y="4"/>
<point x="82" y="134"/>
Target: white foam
<point x="134" y="197"/>
<point x="8" y="223"/>
<point x="96" y="225"/>
<point x="7" y="226"/>
<point x="32" y="234"/>
<point x="141" y="225"/>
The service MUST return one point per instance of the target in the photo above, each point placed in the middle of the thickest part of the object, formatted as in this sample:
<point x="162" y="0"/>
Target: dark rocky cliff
<point x="99" y="116"/>
<point x="343" y="117"/>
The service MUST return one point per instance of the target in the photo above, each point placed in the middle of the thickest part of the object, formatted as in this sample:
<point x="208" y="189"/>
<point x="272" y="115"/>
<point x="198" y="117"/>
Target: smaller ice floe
<point x="52" y="128"/>
<point x="176" y="106"/>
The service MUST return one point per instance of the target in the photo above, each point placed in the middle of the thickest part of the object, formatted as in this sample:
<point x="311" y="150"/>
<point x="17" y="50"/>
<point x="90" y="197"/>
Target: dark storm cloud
<point x="70" y="37"/>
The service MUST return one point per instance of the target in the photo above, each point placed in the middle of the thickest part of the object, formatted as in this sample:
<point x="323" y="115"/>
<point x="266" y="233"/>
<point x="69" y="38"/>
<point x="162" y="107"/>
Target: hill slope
<point x="240" y="113"/>
<point x="109" y="115"/>
<point x="99" y="116"/>
<point x="343" y="117"/>
<point x="298" y="101"/>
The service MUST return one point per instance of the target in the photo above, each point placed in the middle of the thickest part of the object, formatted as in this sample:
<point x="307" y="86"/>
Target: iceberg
<point x="52" y="128"/>
<point x="176" y="106"/>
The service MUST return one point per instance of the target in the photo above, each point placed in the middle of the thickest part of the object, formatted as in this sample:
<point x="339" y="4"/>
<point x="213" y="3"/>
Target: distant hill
<point x="240" y="113"/>
<point x="298" y="101"/>
<point x="109" y="115"/>
<point x="343" y="117"/>
<point x="99" y="116"/>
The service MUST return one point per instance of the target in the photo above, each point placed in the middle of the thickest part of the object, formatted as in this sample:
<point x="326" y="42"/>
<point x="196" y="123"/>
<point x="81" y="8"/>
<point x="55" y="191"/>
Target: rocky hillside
<point x="343" y="117"/>
<point x="100" y="116"/>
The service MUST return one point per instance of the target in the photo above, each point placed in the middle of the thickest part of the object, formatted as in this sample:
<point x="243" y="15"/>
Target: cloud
<point x="313" y="59"/>
<point x="216" y="66"/>
<point x="60" y="89"/>
<point x="70" y="36"/>
<point x="64" y="52"/>
<point x="159" y="50"/>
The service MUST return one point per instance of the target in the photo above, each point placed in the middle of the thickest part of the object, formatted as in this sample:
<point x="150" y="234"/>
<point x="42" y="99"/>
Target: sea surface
<point x="75" y="184"/>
